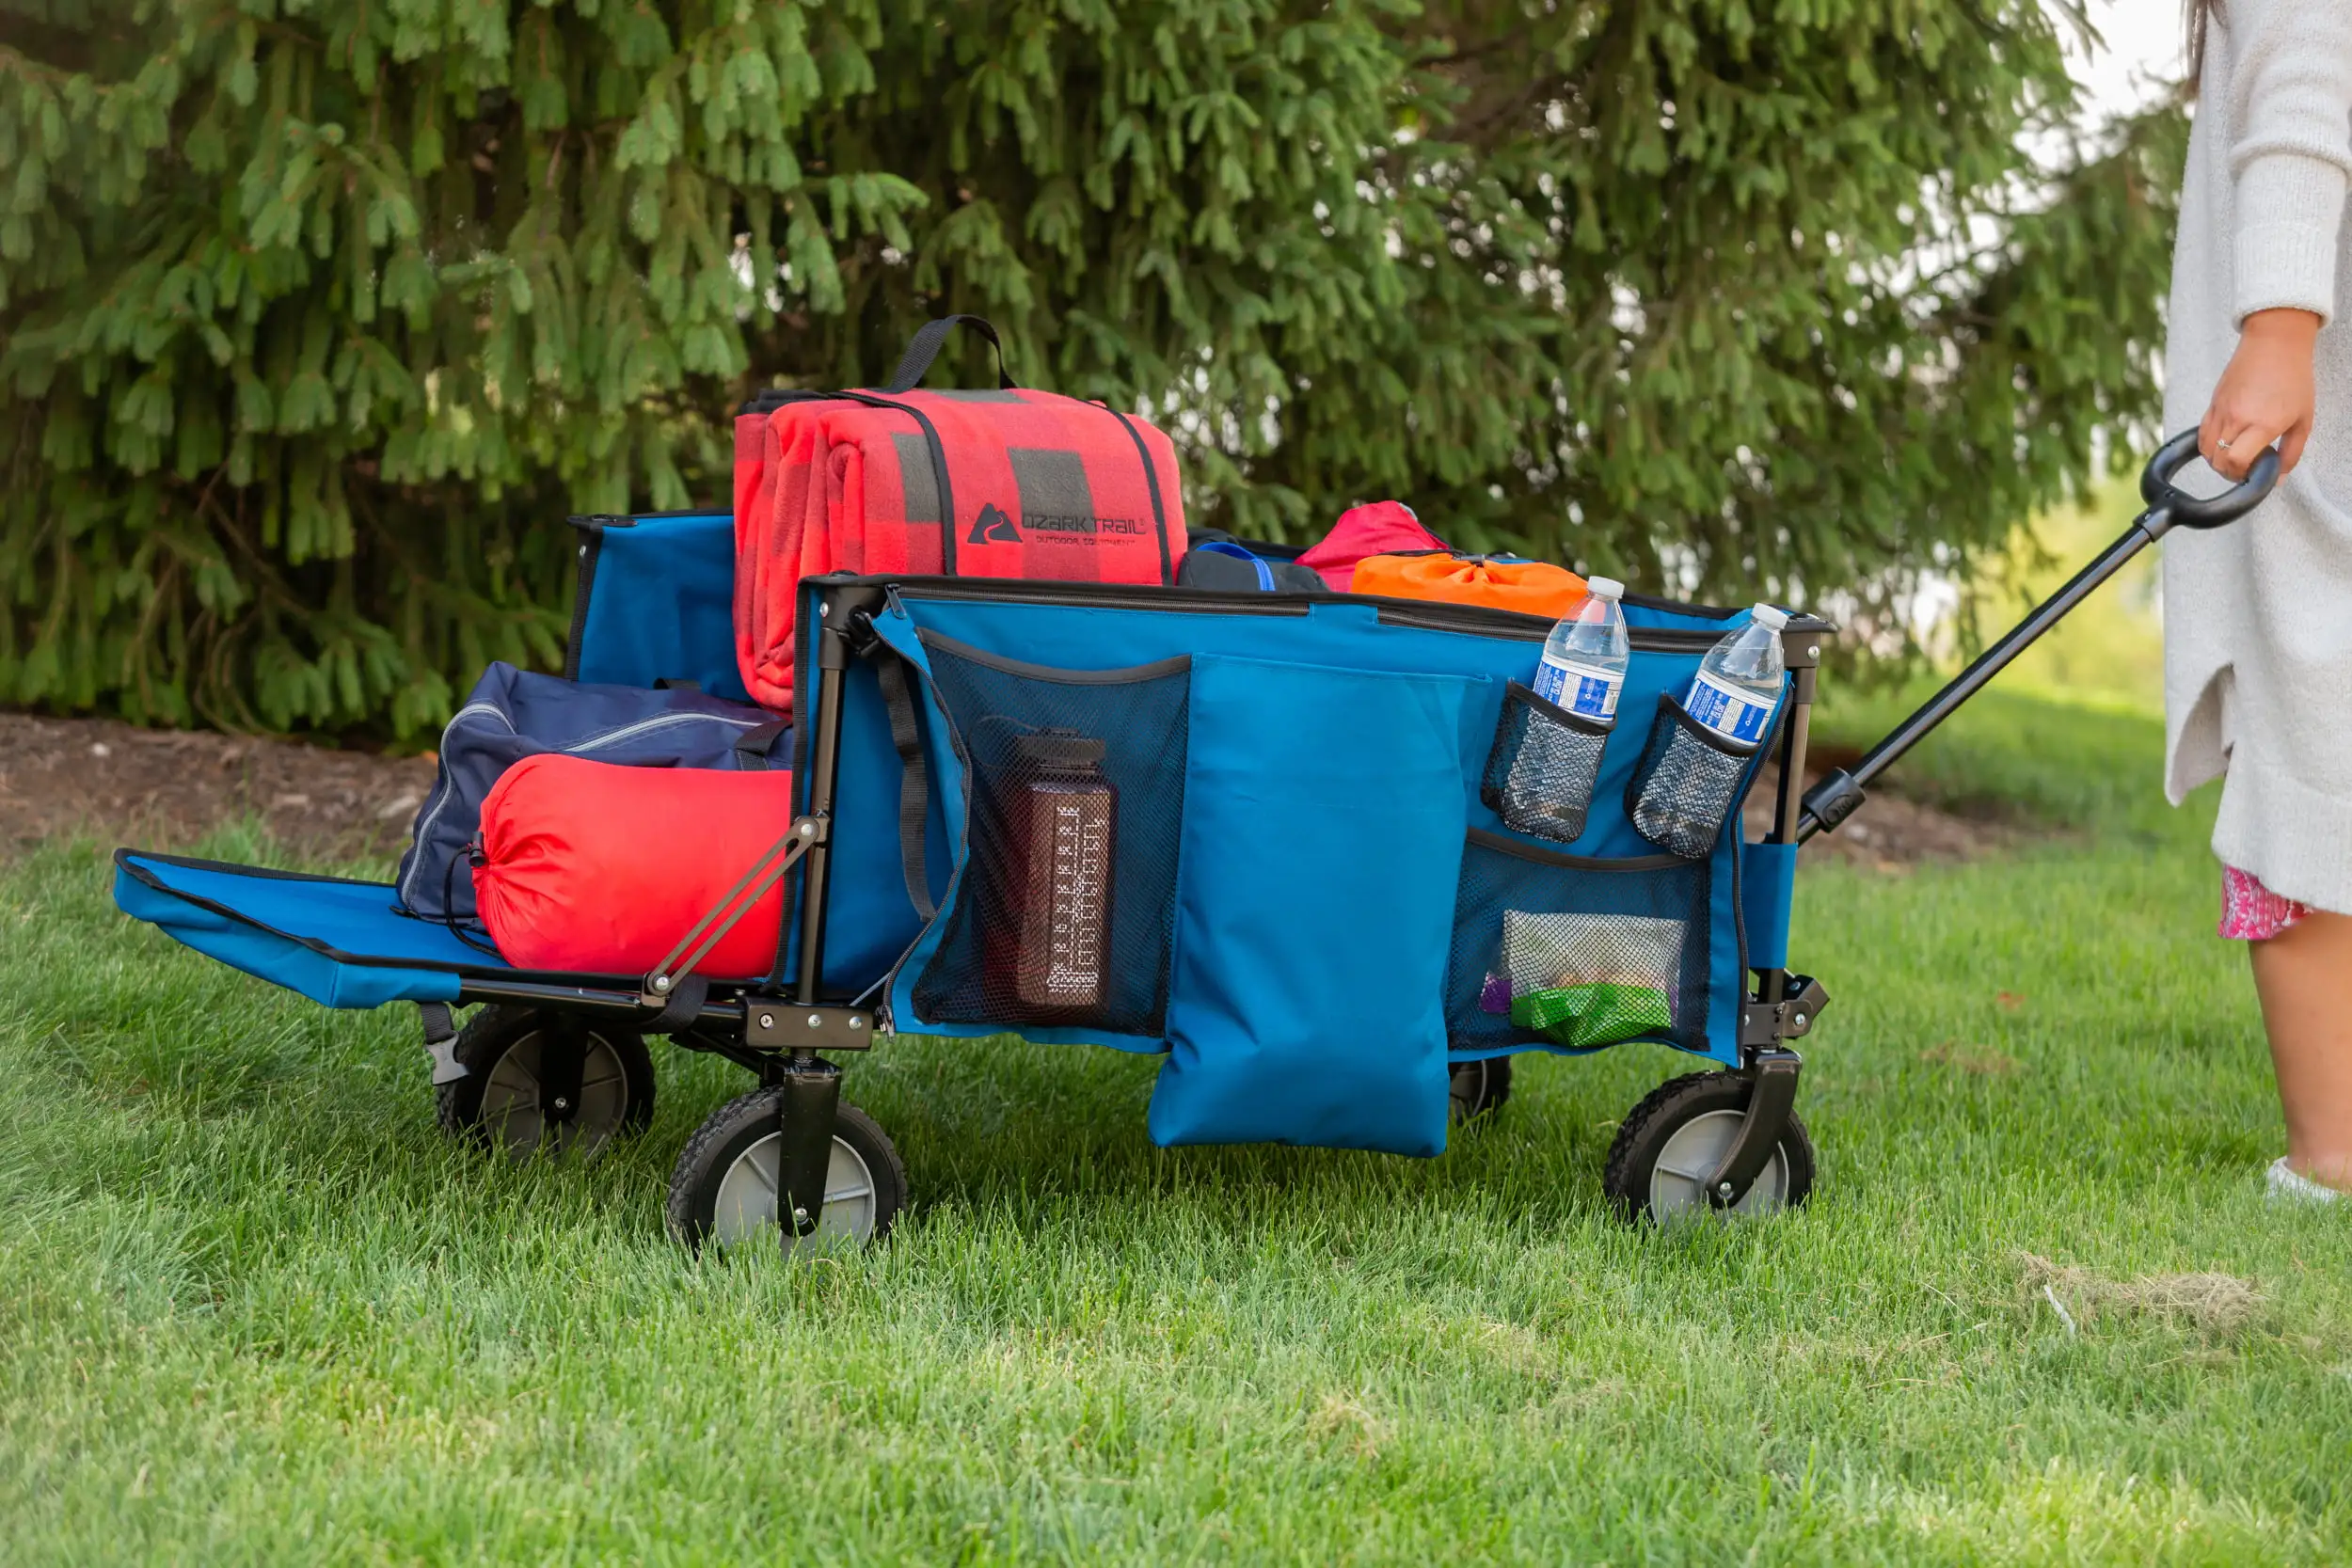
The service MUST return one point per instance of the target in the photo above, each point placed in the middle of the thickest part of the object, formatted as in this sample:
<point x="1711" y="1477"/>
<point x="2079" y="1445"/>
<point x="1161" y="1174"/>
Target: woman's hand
<point x="2266" y="395"/>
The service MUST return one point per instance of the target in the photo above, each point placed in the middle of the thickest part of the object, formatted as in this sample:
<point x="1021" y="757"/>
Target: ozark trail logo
<point x="991" y="527"/>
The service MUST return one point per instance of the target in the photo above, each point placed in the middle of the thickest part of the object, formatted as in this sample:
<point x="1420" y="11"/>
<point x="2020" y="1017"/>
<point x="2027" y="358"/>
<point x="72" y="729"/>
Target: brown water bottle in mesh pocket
<point x="1062" y="825"/>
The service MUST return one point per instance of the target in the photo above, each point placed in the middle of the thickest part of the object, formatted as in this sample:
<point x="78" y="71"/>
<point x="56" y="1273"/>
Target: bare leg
<point x="2304" y="976"/>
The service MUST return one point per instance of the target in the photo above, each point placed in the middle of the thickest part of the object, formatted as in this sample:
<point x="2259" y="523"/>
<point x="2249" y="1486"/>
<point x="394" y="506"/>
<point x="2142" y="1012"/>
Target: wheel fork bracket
<point x="812" y="1090"/>
<point x="1774" y="1073"/>
<point x="563" y="1062"/>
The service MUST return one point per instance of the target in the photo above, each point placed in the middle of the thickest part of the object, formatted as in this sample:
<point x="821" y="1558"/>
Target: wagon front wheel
<point x="1669" y="1144"/>
<point x="724" y="1188"/>
<point x="520" y="1096"/>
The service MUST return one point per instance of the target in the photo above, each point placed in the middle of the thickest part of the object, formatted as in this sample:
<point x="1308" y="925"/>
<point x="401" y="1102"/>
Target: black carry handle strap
<point x="1152" y="483"/>
<point x="752" y="745"/>
<point x="916" y="362"/>
<point x="914" y="783"/>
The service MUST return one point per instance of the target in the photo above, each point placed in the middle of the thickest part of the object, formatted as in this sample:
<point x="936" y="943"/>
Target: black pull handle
<point x="916" y="363"/>
<point x="2169" y="507"/>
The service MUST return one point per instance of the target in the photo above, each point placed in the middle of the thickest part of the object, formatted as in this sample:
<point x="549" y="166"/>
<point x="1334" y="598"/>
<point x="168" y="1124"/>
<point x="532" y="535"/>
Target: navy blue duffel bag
<point x="513" y="714"/>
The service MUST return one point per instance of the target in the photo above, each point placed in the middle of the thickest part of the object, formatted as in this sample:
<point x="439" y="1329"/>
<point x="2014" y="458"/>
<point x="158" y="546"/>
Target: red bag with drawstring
<point x="1004" y="484"/>
<point x="599" y="868"/>
<point x="1378" y="528"/>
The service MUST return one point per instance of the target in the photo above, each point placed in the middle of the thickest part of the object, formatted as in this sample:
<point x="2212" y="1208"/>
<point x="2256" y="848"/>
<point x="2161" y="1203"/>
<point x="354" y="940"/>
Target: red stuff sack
<point x="596" y="867"/>
<point x="1379" y="528"/>
<point x="1009" y="484"/>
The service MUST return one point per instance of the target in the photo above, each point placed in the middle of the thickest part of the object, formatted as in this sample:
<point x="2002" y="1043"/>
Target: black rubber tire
<point x="742" y="1124"/>
<point x="484" y="1043"/>
<point x="1477" y="1089"/>
<point x="1645" y="1132"/>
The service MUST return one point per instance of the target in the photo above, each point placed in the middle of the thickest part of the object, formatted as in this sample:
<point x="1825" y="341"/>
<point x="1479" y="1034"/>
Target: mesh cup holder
<point x="1570" y="951"/>
<point x="1686" y="785"/>
<point x="1540" y="773"/>
<point x="1067" y="905"/>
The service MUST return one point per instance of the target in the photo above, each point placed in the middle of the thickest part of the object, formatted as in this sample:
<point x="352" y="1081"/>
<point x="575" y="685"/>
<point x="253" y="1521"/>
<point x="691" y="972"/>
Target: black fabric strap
<point x="914" y="783"/>
<point x="683" y="1006"/>
<point x="752" y="745"/>
<point x="673" y="682"/>
<point x="916" y="362"/>
<point x="1152" y="481"/>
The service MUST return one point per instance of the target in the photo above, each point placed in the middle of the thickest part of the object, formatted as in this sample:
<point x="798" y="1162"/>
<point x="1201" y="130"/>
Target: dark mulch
<point x="163" y="789"/>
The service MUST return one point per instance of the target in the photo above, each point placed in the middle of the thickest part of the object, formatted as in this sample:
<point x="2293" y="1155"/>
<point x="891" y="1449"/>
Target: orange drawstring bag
<point x="1530" y="587"/>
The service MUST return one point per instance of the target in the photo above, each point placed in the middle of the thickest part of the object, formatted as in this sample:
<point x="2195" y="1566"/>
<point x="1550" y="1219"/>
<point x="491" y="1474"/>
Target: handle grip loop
<point x="2171" y="507"/>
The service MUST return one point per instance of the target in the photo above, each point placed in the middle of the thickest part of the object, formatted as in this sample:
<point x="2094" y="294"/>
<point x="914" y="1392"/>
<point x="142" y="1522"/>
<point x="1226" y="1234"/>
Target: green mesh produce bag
<point x="1585" y="981"/>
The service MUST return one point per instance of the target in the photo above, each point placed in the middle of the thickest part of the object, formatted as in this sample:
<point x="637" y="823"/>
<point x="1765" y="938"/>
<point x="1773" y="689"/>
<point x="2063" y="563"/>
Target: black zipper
<point x="1471" y="620"/>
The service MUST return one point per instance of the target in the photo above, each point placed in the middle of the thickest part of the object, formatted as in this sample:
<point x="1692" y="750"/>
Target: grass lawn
<point x="254" y="1307"/>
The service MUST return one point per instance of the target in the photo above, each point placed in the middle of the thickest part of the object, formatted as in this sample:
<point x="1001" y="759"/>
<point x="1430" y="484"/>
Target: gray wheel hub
<point x="746" y="1207"/>
<point x="516" y="1121"/>
<point x="1677" y="1181"/>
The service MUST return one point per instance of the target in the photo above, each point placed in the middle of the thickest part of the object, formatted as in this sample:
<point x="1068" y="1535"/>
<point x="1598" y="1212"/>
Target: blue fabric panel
<point x="862" y="843"/>
<point x="662" y="606"/>
<point x="1768" y="888"/>
<point x="258" y="921"/>
<point x="1334" y="635"/>
<point x="1346" y="636"/>
<point x="947" y="858"/>
<point x="1322" y="843"/>
<point x="869" y="918"/>
<point x="1688" y="618"/>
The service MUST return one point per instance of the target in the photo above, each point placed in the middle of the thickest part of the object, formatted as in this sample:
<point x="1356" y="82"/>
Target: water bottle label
<point x="1729" y="711"/>
<point x="1582" y="689"/>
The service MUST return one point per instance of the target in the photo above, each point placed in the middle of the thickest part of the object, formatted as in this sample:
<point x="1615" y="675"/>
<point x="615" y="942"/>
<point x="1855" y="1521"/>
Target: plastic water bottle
<point x="1583" y="669"/>
<point x="1739" y="684"/>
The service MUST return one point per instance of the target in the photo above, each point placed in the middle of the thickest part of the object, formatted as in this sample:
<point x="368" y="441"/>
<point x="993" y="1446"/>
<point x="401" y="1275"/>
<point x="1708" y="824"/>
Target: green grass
<point x="253" y="1307"/>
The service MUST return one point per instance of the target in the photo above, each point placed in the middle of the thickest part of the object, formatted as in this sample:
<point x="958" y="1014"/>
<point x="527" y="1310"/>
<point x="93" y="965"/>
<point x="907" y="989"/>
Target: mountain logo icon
<point x="991" y="527"/>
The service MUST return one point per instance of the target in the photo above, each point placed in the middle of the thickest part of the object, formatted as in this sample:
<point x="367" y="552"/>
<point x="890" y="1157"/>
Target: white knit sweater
<point x="2258" y="615"/>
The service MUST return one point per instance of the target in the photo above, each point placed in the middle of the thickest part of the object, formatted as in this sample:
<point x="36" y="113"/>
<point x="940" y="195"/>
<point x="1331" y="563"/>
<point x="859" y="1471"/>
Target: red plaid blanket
<point x="1006" y="484"/>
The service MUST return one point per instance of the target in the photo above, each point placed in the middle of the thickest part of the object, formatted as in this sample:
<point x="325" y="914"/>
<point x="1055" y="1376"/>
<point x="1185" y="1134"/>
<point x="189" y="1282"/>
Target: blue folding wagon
<point x="1325" y="855"/>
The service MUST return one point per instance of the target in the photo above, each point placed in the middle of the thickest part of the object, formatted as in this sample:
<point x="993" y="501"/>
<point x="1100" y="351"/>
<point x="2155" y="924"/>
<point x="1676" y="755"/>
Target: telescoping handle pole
<point x="1839" y="794"/>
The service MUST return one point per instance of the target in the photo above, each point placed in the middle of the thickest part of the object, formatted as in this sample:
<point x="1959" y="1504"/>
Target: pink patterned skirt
<point x="2251" y="912"/>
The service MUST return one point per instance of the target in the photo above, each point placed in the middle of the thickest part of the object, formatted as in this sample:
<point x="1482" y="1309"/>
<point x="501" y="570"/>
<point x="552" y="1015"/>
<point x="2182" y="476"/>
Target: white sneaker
<point x="2289" y="1185"/>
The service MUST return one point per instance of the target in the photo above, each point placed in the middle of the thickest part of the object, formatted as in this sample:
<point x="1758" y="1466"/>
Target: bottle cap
<point x="1604" y="588"/>
<point x="1058" y="748"/>
<point x="1768" y="615"/>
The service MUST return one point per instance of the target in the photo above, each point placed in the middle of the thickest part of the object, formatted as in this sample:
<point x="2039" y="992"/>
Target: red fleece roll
<point x="597" y="869"/>
<point x="1042" y="488"/>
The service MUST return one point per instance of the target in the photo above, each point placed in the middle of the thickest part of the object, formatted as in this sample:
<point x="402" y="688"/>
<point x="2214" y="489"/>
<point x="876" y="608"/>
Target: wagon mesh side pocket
<point x="1686" y="785"/>
<point x="1566" y="950"/>
<point x="1540" y="773"/>
<point x="1077" y="797"/>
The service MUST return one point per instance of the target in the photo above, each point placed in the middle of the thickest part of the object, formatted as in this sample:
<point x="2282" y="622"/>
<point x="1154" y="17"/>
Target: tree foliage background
<point x="321" y="314"/>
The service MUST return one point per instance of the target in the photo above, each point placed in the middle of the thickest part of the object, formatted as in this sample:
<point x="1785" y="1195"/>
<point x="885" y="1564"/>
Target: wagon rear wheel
<point x="1670" y="1143"/>
<point x="1478" y="1088"/>
<point x="508" y="1102"/>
